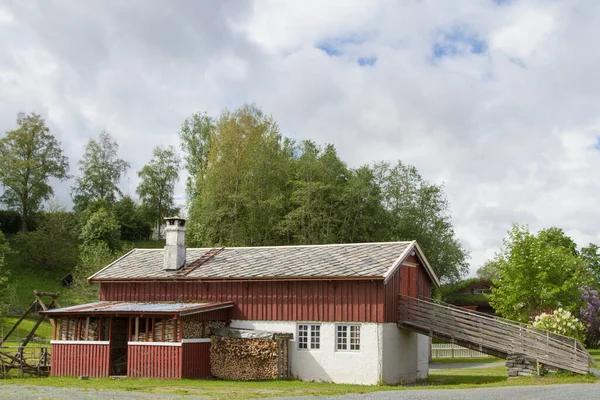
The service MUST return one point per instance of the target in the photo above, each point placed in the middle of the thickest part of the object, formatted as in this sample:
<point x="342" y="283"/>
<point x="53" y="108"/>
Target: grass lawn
<point x="473" y="360"/>
<point x="44" y="331"/>
<point x="439" y="379"/>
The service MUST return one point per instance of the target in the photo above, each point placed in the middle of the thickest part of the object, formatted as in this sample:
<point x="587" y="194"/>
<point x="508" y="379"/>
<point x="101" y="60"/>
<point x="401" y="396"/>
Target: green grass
<point x="215" y="389"/>
<point x="595" y="353"/>
<point x="44" y="331"/>
<point x="26" y="280"/>
<point x="465" y="360"/>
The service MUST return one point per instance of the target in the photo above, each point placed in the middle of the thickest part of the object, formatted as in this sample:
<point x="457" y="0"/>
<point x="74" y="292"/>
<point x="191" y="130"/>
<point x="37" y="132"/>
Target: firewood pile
<point x="249" y="359"/>
<point x="169" y="327"/>
<point x="75" y="329"/>
<point x="200" y="329"/>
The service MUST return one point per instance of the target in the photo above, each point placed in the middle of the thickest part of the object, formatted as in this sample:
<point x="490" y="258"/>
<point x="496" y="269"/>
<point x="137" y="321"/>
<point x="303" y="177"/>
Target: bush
<point x="562" y="322"/>
<point x="590" y="314"/>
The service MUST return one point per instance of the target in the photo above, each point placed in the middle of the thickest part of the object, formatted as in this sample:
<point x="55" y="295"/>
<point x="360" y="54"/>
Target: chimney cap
<point x="175" y="221"/>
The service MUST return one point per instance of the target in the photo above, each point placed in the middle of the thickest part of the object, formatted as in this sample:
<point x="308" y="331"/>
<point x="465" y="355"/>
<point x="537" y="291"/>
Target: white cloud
<point x="511" y="130"/>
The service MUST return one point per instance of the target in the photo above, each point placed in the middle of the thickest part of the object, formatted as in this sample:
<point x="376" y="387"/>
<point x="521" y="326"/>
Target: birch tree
<point x="29" y="157"/>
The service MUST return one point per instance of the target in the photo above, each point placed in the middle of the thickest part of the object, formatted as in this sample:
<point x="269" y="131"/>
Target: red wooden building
<point x="339" y="301"/>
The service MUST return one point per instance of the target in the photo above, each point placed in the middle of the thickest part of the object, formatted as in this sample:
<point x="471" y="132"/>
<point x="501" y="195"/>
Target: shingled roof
<point x="364" y="260"/>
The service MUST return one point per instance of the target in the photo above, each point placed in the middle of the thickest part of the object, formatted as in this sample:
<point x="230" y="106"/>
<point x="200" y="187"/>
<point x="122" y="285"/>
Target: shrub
<point x="590" y="315"/>
<point x="562" y="322"/>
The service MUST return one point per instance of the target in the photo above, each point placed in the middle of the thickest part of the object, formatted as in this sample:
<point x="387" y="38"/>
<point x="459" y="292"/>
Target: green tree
<point x="591" y="256"/>
<point x="53" y="245"/>
<point x="157" y="184"/>
<point x="317" y="210"/>
<point x="240" y="199"/>
<point x="101" y="170"/>
<point x="101" y="226"/>
<point x="29" y="157"/>
<point x="537" y="273"/>
<point x="196" y="134"/>
<point x="132" y="219"/>
<point x="418" y="210"/>
<point x="92" y="258"/>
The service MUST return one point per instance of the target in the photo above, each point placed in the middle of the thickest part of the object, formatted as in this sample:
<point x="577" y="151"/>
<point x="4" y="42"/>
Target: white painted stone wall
<point x="387" y="354"/>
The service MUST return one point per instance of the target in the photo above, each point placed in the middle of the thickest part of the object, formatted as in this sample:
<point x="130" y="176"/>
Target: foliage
<point x="590" y="315"/>
<point x="4" y="293"/>
<point x="93" y="256"/>
<point x="52" y="246"/>
<point x="257" y="188"/>
<point x="562" y="322"/>
<point x="591" y="256"/>
<point x="449" y="293"/>
<point x="418" y="209"/>
<point x="195" y="135"/>
<point x="157" y="184"/>
<point x="537" y="273"/>
<point x="101" y="169"/>
<point x="131" y="218"/>
<point x="488" y="271"/>
<point x="240" y="199"/>
<point x="101" y="226"/>
<point x="29" y="157"/>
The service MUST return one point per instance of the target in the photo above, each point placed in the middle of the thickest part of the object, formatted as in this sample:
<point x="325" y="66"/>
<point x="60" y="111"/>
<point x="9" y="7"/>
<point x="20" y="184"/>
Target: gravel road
<point x="553" y="392"/>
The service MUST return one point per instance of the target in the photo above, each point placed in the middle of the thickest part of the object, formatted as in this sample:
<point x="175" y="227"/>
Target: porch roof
<point x="116" y="308"/>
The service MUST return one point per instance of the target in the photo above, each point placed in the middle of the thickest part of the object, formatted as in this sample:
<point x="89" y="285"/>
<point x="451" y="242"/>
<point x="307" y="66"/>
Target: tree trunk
<point x="24" y="216"/>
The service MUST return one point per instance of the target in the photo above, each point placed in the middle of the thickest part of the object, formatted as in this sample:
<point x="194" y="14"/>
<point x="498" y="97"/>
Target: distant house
<point x="340" y="303"/>
<point x="469" y="294"/>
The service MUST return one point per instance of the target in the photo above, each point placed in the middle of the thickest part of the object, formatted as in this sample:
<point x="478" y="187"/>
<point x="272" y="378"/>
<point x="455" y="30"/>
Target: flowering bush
<point x="562" y="322"/>
<point x="590" y="315"/>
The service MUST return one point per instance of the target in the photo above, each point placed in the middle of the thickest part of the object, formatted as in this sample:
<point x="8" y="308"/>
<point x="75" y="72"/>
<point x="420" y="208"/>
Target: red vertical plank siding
<point x="154" y="361"/>
<point x="400" y="283"/>
<point x="80" y="360"/>
<point x="339" y="300"/>
<point x="196" y="360"/>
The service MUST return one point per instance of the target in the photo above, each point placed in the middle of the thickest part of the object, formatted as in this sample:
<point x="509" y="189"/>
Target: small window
<point x="481" y="290"/>
<point x="348" y="338"/>
<point x="309" y="336"/>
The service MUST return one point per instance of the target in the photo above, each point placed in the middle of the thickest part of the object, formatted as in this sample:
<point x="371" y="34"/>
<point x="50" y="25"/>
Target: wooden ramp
<point x="491" y="335"/>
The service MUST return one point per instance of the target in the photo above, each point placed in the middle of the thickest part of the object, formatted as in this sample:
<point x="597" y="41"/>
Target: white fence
<point x="449" y="350"/>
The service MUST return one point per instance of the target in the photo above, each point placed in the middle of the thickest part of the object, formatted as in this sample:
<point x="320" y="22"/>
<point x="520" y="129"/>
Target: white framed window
<point x="309" y="336"/>
<point x="347" y="338"/>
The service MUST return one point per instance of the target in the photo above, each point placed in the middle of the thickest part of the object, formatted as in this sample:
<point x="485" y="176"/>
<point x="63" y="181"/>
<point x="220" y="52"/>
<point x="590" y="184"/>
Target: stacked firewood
<point x="75" y="329"/>
<point x="200" y="329"/>
<point x="158" y="328"/>
<point x="244" y="359"/>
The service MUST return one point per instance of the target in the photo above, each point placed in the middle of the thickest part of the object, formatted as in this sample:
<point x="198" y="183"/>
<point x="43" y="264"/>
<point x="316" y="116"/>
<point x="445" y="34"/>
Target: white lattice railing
<point x="449" y="350"/>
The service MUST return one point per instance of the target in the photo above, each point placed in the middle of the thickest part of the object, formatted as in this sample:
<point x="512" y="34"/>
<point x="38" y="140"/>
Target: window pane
<point x="342" y="337"/>
<point x="355" y="337"/>
<point x="303" y="336"/>
<point x="315" y="338"/>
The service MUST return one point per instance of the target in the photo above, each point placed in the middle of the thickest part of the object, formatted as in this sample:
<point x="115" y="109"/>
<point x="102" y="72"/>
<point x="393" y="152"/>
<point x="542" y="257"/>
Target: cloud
<point x="497" y="100"/>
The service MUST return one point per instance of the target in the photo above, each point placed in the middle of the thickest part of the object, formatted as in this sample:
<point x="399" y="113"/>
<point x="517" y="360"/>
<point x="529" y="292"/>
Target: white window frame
<point x="345" y="334"/>
<point x="309" y="336"/>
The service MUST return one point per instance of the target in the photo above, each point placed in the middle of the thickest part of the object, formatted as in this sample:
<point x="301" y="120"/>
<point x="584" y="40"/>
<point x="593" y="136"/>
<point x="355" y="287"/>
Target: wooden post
<point x="137" y="329"/>
<point x="164" y="323"/>
<point x="87" y="329"/>
<point x="147" y="326"/>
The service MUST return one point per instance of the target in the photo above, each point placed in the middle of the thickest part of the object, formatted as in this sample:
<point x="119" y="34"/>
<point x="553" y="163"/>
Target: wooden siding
<point x="343" y="301"/>
<point x="223" y="314"/>
<point x="196" y="360"/>
<point x="400" y="283"/>
<point x="154" y="361"/>
<point x="91" y="360"/>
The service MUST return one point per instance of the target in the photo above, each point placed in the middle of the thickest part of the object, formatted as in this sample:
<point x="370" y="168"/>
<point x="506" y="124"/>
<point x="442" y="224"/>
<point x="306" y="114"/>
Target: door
<point x="119" y="335"/>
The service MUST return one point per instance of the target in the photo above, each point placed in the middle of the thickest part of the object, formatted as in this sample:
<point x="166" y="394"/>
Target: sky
<point x="496" y="100"/>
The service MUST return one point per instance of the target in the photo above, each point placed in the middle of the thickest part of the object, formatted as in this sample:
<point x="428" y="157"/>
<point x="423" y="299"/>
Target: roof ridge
<point x="287" y="246"/>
